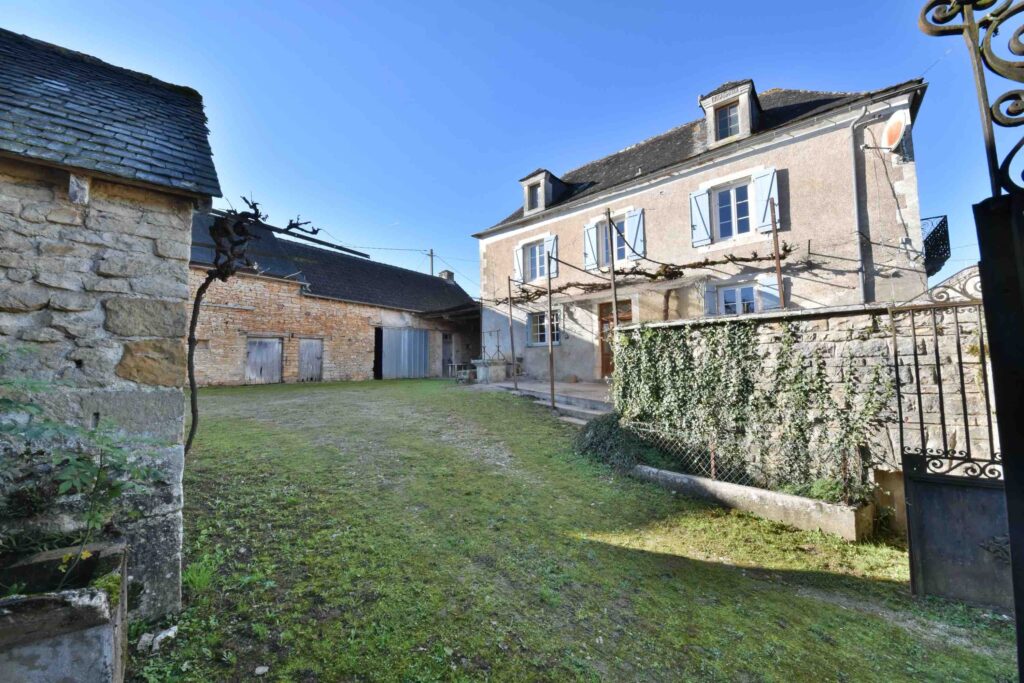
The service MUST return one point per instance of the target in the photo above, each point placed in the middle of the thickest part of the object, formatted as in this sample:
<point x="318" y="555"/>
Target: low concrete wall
<point x="852" y="524"/>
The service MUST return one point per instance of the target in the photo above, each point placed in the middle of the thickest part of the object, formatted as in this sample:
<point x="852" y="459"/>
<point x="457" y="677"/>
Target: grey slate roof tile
<point x="69" y="108"/>
<point x="335" y="275"/>
<point x="688" y="141"/>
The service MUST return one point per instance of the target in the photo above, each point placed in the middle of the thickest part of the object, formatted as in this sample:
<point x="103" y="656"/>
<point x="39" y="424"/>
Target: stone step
<point x="572" y="420"/>
<point x="565" y="399"/>
<point x="576" y="412"/>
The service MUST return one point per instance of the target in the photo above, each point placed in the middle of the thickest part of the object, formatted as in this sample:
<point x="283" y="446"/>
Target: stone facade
<point x="93" y="299"/>
<point x="249" y="306"/>
<point x="817" y="164"/>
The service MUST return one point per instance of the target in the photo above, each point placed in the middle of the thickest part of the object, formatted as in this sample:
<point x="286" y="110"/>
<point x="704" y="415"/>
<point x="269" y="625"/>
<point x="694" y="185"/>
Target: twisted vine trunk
<point x="193" y="396"/>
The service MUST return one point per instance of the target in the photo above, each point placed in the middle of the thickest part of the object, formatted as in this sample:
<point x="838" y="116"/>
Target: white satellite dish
<point x="895" y="129"/>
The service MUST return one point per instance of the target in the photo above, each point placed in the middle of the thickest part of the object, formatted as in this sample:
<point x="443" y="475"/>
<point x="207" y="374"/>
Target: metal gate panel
<point x="404" y="353"/>
<point x="311" y="360"/>
<point x="263" y="361"/>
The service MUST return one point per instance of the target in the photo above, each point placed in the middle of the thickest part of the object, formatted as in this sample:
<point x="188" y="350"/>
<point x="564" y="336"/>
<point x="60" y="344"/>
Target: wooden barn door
<point x="263" y="361"/>
<point x="311" y="360"/>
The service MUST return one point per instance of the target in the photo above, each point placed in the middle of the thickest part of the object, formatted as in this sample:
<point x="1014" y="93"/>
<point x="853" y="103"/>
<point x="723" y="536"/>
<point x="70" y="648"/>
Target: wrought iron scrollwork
<point x="998" y="546"/>
<point x="980" y="21"/>
<point x="965" y="288"/>
<point x="954" y="463"/>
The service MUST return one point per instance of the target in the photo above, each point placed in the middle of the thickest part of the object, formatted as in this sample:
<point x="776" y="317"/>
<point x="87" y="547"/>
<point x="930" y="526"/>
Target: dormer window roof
<point x="541" y="189"/>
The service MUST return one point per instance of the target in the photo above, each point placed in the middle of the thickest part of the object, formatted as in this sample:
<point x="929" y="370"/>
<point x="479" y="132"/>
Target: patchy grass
<point x="419" y="531"/>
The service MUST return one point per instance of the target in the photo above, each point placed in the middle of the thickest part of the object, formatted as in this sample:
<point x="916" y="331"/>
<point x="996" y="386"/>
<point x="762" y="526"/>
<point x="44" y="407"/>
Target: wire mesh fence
<point x="678" y="451"/>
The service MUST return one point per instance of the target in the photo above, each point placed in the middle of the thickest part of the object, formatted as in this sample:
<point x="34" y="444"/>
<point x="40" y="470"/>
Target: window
<point x="610" y="244"/>
<point x="736" y="300"/>
<point x="539" y="327"/>
<point x="535" y="260"/>
<point x="732" y="211"/>
<point x="533" y="197"/>
<point x="727" y="121"/>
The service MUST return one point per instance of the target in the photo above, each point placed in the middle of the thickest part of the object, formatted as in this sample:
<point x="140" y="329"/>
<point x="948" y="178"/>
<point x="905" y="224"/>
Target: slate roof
<point x="689" y="141"/>
<point x="67" y="108"/>
<point x="336" y="275"/>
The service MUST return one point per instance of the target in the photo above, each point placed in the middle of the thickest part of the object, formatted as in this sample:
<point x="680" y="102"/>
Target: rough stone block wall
<point x="249" y="306"/>
<point x="93" y="298"/>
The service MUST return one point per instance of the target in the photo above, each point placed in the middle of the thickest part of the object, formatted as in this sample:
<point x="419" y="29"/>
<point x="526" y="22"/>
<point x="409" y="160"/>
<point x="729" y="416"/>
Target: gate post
<point x="1000" y="224"/>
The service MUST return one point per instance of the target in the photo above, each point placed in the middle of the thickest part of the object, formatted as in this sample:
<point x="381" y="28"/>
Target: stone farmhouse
<point x="100" y="171"/>
<point x="848" y="223"/>
<point x="309" y="314"/>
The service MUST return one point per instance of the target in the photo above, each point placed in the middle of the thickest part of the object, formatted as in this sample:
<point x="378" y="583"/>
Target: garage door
<point x="263" y="361"/>
<point x="404" y="353"/>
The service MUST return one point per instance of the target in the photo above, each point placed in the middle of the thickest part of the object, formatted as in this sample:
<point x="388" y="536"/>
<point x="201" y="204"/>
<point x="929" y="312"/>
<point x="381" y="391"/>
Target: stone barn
<point x="100" y="171"/>
<point x="310" y="314"/>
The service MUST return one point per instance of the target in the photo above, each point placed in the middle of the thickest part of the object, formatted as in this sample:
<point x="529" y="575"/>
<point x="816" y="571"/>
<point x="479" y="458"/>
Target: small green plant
<point x="47" y="462"/>
<point x="198" y="576"/>
<point x="604" y="440"/>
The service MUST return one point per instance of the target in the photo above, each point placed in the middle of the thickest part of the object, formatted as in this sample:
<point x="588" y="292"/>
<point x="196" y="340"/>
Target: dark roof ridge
<point x="96" y="61"/>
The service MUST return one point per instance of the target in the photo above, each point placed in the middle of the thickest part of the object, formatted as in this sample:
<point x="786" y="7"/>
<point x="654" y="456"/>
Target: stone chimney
<point x="447" y="275"/>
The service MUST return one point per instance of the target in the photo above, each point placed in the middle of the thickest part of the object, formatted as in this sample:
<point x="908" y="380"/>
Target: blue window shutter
<point x="636" y="240"/>
<point x="517" y="258"/>
<point x="700" y="218"/>
<point x="766" y="188"/>
<point x="768" y="290"/>
<point x="590" y="247"/>
<point x="551" y="247"/>
<point x="710" y="300"/>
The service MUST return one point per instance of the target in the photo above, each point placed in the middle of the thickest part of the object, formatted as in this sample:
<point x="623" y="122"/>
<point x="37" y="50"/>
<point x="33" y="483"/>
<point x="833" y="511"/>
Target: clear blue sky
<point x="407" y="125"/>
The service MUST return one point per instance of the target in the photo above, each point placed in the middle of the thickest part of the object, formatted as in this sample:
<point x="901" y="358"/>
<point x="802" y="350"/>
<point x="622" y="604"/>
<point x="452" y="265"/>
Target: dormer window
<point x="727" y="121"/>
<point x="533" y="197"/>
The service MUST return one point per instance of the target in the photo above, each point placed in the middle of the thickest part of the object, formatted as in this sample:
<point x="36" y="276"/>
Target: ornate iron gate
<point x="952" y="467"/>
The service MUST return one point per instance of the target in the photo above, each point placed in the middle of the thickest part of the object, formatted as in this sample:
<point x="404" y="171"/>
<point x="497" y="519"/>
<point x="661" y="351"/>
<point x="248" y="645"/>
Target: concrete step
<point x="572" y="420"/>
<point x="565" y="399"/>
<point x="576" y="412"/>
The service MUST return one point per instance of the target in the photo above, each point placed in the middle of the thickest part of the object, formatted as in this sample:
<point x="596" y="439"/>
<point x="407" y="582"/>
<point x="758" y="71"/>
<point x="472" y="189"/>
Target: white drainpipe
<point x="858" y="236"/>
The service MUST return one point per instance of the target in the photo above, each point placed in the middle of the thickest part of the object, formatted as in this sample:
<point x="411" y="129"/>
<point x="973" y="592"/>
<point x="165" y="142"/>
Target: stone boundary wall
<point x="863" y="337"/>
<point x="93" y="301"/>
<point x="248" y="305"/>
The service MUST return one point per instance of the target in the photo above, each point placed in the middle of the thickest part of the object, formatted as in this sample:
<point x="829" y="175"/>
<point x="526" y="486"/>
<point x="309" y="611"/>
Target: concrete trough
<point x="848" y="522"/>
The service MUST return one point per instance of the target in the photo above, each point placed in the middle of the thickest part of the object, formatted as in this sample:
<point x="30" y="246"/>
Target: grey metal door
<point x="263" y="361"/>
<point x="447" y="357"/>
<point x="311" y="360"/>
<point x="404" y="353"/>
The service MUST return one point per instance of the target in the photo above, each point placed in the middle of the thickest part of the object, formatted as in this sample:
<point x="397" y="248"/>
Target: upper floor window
<point x="732" y="211"/>
<point x="539" y="327"/>
<point x="535" y="259"/>
<point x="612" y="241"/>
<point x="727" y="121"/>
<point x="533" y="197"/>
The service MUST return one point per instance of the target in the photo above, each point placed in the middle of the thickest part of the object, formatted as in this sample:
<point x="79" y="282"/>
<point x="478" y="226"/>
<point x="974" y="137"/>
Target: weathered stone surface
<point x="22" y="298"/>
<point x="159" y="362"/>
<point x="103" y="284"/>
<point x="145" y="317"/>
<point x="117" y="264"/>
<point x="159" y="286"/>
<point x="43" y="335"/>
<point x="172" y="249"/>
<point x="71" y="301"/>
<point x="65" y="215"/>
<point x="34" y="213"/>
<point x="95" y="365"/>
<point x="155" y="413"/>
<point x="154" y="566"/>
<point x="10" y="241"/>
<point x="70" y="281"/>
<point x="19" y="275"/>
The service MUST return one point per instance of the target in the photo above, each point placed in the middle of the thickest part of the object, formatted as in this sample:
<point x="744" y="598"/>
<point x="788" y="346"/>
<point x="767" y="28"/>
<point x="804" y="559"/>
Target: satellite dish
<point x="895" y="129"/>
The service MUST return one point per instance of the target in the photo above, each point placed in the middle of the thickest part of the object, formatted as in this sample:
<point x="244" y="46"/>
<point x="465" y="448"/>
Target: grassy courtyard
<point x="420" y="531"/>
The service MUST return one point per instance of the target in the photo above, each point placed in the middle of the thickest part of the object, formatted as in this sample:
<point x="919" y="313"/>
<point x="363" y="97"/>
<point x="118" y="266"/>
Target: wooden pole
<point x="778" y="260"/>
<point x="512" y="337"/>
<point x="551" y="341"/>
<point x="611" y="269"/>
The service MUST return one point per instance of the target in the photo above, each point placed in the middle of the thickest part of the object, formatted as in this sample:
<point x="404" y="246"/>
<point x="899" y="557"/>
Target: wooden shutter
<point x="517" y="259"/>
<point x="551" y="247"/>
<point x="590" y="247"/>
<point x="766" y="189"/>
<point x="700" y="218"/>
<point x="768" y="291"/>
<point x="636" y="240"/>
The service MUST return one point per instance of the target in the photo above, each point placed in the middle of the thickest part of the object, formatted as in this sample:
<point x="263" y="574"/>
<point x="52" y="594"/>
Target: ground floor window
<point x="739" y="299"/>
<point x="538" y="325"/>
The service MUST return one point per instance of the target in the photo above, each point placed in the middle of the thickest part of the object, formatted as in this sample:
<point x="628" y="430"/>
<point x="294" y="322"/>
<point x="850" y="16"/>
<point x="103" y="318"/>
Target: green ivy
<point x="717" y="396"/>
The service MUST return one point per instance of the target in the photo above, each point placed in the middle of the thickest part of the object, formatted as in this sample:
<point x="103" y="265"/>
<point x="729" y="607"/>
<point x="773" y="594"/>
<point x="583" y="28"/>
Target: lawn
<point x="421" y="531"/>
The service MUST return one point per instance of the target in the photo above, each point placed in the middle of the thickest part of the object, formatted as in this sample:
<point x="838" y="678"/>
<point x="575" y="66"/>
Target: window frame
<point x="730" y="189"/>
<point x="608" y="252"/>
<point x="543" y="328"/>
<point x="529" y="266"/>
<point x="721" y="290"/>
<point x="533" y="196"/>
<point x="725" y="109"/>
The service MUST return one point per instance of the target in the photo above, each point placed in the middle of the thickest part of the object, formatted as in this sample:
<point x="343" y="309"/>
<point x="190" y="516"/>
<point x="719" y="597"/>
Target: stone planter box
<point x="76" y="634"/>
<point x="851" y="523"/>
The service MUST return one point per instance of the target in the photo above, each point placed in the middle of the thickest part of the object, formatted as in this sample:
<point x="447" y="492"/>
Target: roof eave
<point x="916" y="86"/>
